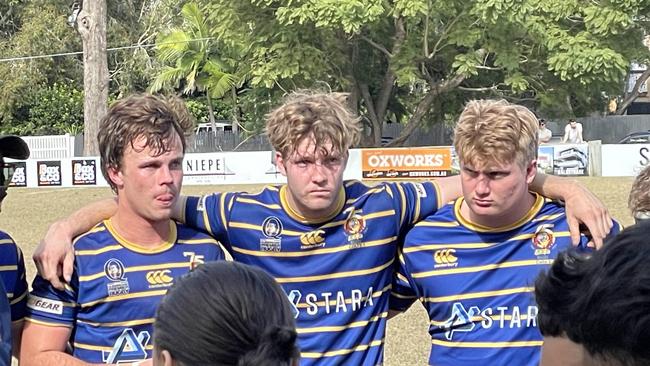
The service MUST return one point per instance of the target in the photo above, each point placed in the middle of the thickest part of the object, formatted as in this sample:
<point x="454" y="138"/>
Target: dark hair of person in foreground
<point x="601" y="301"/>
<point x="225" y="313"/>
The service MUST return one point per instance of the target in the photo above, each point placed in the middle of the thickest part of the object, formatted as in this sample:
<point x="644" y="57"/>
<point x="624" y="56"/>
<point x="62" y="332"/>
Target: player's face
<point x="148" y="185"/>
<point x="497" y="194"/>
<point x="314" y="179"/>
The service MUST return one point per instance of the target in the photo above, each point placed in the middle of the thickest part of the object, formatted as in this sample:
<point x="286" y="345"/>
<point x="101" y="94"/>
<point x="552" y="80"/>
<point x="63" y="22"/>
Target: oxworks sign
<point x="406" y="163"/>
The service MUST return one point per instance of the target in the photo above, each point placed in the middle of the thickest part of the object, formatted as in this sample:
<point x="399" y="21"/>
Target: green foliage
<point x="53" y="110"/>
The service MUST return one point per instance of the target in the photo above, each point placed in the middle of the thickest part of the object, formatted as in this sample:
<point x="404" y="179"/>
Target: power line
<point x="34" y="57"/>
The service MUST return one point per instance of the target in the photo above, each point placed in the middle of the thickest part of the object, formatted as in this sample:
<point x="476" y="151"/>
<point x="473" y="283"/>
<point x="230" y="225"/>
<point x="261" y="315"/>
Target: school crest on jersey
<point x="128" y="348"/>
<point x="272" y="230"/>
<point x="114" y="271"/>
<point x="355" y="227"/>
<point x="543" y="240"/>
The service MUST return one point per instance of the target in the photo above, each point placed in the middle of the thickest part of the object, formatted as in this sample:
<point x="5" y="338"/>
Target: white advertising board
<point x="624" y="160"/>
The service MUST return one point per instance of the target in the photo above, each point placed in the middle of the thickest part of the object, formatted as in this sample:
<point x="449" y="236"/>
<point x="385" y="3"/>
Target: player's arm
<point x="54" y="255"/>
<point x="582" y="206"/>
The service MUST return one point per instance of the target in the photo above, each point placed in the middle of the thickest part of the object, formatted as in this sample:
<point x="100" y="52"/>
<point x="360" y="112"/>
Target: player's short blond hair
<point x="496" y="131"/>
<point x="639" y="200"/>
<point x="324" y="117"/>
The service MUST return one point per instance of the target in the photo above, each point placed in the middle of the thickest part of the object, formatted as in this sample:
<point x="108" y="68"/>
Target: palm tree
<point x="191" y="52"/>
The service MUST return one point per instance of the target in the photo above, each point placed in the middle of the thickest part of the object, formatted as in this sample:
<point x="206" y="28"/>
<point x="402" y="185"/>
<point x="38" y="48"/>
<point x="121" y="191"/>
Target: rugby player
<point x="474" y="262"/>
<point x="125" y="264"/>
<point x="330" y="243"/>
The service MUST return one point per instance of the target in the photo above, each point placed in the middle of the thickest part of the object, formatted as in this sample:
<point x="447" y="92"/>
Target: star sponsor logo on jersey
<point x="467" y="319"/>
<point x="272" y="230"/>
<point x="355" y="227"/>
<point x="543" y="240"/>
<point x="114" y="271"/>
<point x="128" y="348"/>
<point x="313" y="239"/>
<point x="45" y="305"/>
<point x="330" y="302"/>
<point x="159" y="278"/>
<point x="445" y="258"/>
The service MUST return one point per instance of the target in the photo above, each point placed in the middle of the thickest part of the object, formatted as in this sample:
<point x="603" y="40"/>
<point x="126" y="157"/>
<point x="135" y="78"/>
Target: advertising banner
<point x="405" y="163"/>
<point x="49" y="173"/>
<point x="545" y="159"/>
<point x="571" y="159"/>
<point x="624" y="160"/>
<point x="19" y="179"/>
<point x="84" y="172"/>
<point x="207" y="168"/>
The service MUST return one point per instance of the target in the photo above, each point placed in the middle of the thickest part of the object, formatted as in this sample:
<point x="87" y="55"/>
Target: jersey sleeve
<point x="414" y="201"/>
<point x="50" y="306"/>
<point x="19" y="299"/>
<point x="210" y="213"/>
<point x="402" y="294"/>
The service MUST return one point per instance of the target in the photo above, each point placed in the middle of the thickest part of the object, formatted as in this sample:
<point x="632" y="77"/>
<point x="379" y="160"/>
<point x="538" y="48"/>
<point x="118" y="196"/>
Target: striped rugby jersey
<point x="337" y="272"/>
<point x="477" y="282"/>
<point x="116" y="286"/>
<point x="12" y="272"/>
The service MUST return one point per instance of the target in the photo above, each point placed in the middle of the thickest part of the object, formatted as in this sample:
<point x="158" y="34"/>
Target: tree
<point x="427" y="57"/>
<point x="91" y="24"/>
<point x="196" y="64"/>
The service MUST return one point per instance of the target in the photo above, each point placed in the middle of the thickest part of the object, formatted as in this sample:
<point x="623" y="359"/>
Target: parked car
<point x="641" y="137"/>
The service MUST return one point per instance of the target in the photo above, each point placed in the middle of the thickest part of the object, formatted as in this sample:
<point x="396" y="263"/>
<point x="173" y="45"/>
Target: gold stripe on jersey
<point x="367" y="217"/>
<point x="198" y="241"/>
<point x="333" y="275"/>
<point x="481" y="294"/>
<point x="487" y="267"/>
<point x="375" y="294"/>
<point x="106" y="249"/>
<point x="438" y="342"/>
<point x="8" y="268"/>
<point x="338" y="328"/>
<point x="133" y="295"/>
<point x="416" y="213"/>
<point x="272" y="206"/>
<point x="6" y="241"/>
<point x="430" y="247"/>
<point x="137" y="269"/>
<point x="438" y="223"/>
<point x="130" y="323"/>
<point x="341" y="352"/>
<point x="92" y="347"/>
<point x="548" y="217"/>
<point x="243" y="225"/>
<point x="402" y="204"/>
<point x="165" y="245"/>
<point x="478" y="318"/>
<point x="18" y="299"/>
<point x="370" y="191"/>
<point x="537" y="206"/>
<point x="47" y="324"/>
<point x="439" y="202"/>
<point x="344" y="248"/>
<point x="401" y="277"/>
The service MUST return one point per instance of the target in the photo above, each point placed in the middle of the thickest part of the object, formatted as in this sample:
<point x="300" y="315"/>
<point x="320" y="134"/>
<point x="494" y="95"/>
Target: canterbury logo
<point x="312" y="237"/>
<point x="159" y="277"/>
<point x="445" y="256"/>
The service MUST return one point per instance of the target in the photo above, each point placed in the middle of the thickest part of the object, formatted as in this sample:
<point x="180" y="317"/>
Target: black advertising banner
<point x="49" y="173"/>
<point x="84" y="172"/>
<point x="19" y="178"/>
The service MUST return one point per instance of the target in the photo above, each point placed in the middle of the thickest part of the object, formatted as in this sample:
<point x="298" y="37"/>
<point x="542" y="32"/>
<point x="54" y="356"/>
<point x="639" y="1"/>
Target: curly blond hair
<point x="321" y="116"/>
<point x="639" y="200"/>
<point x="496" y="131"/>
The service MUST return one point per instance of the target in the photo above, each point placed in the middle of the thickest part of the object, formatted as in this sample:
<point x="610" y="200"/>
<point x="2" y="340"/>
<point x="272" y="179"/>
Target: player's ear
<point x="166" y="358"/>
<point x="531" y="171"/>
<point x="279" y="163"/>
<point x="115" y="175"/>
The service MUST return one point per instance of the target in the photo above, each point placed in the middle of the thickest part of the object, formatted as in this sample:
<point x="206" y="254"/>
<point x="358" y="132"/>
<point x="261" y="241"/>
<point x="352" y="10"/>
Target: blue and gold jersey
<point x="12" y="273"/>
<point x="477" y="282"/>
<point x="111" y="301"/>
<point x="337" y="272"/>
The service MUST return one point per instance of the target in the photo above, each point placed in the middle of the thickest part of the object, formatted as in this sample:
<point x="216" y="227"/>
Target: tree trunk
<point x="91" y="25"/>
<point x="213" y="123"/>
<point x="235" y="111"/>
<point x="635" y="92"/>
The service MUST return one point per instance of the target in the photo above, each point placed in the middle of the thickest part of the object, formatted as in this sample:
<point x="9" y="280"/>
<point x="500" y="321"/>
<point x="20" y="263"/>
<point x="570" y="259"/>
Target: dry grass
<point x="27" y="213"/>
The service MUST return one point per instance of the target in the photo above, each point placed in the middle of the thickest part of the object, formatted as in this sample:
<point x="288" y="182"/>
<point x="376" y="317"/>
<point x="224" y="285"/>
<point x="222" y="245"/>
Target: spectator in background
<point x="639" y="200"/>
<point x="544" y="134"/>
<point x="13" y="285"/>
<point x="573" y="132"/>
<point x="225" y="313"/>
<point x="594" y="310"/>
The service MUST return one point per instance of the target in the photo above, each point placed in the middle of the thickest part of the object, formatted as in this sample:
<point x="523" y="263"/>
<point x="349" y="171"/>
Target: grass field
<point x="26" y="214"/>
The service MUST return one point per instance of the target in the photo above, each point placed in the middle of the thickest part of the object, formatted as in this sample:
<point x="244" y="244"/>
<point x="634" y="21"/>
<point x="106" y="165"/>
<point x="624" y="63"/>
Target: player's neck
<point x="136" y="229"/>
